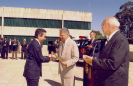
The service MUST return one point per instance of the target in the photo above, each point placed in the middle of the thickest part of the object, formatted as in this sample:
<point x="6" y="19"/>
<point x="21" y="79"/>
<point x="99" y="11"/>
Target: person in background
<point x="14" y="49"/>
<point x="23" y="49"/>
<point x="94" y="46"/>
<point x="18" y="50"/>
<point x="57" y="43"/>
<point x="31" y="40"/>
<point x="1" y="47"/>
<point x="5" y="48"/>
<point x="10" y="45"/>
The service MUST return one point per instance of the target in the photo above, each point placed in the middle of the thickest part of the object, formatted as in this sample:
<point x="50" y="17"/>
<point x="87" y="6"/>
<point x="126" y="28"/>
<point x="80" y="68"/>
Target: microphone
<point x="98" y="41"/>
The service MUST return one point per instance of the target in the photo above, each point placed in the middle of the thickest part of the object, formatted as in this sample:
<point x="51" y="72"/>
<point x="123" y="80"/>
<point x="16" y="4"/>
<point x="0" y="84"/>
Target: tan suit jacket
<point x="70" y="54"/>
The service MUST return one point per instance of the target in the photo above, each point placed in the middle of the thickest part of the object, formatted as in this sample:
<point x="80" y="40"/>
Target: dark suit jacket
<point x="7" y="44"/>
<point x="14" y="46"/>
<point x="95" y="50"/>
<point x="24" y="46"/>
<point x="111" y="69"/>
<point x="1" y="47"/>
<point x="32" y="69"/>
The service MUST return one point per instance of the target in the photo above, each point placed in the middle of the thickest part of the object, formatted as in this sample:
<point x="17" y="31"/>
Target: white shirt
<point x="9" y="42"/>
<point x="92" y="41"/>
<point x="112" y="34"/>
<point x="38" y="41"/>
<point x="66" y="41"/>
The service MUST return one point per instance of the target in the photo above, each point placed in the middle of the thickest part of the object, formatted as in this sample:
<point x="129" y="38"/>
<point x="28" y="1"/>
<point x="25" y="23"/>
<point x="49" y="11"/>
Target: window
<point x="77" y="25"/>
<point x="25" y="22"/>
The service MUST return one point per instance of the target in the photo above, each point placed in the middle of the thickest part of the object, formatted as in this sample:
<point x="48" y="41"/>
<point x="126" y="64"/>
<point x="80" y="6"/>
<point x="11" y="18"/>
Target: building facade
<point x="21" y="23"/>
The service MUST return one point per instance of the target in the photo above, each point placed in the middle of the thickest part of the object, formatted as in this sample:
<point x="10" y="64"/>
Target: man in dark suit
<point x="10" y="45"/>
<point x="5" y="45"/>
<point x="23" y="48"/>
<point x="93" y="50"/>
<point x="1" y="47"/>
<point x="93" y="45"/>
<point x="34" y="58"/>
<point x="14" y="48"/>
<point x="111" y="68"/>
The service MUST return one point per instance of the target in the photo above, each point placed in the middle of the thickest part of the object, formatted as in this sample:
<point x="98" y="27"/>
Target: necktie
<point x="62" y="47"/>
<point x="106" y="41"/>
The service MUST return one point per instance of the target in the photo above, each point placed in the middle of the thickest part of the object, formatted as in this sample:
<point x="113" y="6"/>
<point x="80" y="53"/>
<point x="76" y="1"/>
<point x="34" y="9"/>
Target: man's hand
<point x="89" y="46"/>
<point x="51" y="58"/>
<point x="64" y="63"/>
<point x="88" y="59"/>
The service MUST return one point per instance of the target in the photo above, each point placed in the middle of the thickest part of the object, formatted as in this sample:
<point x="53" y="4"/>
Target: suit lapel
<point x="109" y="44"/>
<point x="60" y="48"/>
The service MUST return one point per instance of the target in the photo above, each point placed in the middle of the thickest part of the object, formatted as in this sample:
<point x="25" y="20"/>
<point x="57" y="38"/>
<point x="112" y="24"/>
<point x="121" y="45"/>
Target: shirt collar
<point x="92" y="40"/>
<point x="38" y="41"/>
<point x="67" y="40"/>
<point x="112" y="34"/>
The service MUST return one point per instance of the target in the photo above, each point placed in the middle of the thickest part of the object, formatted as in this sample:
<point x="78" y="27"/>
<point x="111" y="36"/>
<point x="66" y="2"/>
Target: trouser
<point x="68" y="81"/>
<point x="23" y="52"/>
<point x="15" y="54"/>
<point x="32" y="82"/>
<point x="1" y="54"/>
<point x="10" y="48"/>
<point x="5" y="52"/>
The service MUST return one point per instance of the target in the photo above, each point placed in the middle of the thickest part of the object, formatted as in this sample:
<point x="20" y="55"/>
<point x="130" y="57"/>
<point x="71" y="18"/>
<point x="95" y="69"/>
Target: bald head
<point x="113" y="22"/>
<point x="110" y="25"/>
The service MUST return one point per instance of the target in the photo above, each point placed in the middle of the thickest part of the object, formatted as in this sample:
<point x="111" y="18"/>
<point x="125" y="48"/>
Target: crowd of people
<point x="14" y="47"/>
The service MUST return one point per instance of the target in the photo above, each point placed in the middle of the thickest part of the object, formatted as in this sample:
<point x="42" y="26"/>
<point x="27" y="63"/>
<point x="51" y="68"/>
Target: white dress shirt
<point x="112" y="34"/>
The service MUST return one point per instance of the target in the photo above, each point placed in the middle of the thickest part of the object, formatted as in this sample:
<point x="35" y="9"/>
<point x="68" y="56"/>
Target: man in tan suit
<point x="69" y="54"/>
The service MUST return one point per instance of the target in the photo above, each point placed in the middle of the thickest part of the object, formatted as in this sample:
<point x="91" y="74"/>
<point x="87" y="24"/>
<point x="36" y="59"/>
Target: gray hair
<point x="64" y="30"/>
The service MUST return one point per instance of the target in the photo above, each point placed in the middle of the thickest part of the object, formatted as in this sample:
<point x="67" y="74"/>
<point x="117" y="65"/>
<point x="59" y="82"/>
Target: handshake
<point x="52" y="58"/>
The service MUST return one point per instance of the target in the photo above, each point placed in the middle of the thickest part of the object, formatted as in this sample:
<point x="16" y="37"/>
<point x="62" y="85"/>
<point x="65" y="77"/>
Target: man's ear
<point x="38" y="36"/>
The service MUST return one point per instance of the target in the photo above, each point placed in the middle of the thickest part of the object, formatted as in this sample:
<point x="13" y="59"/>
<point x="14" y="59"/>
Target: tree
<point x="125" y="17"/>
<point x="99" y="35"/>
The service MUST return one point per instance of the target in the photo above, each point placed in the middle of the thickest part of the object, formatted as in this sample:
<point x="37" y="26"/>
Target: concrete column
<point x="62" y="21"/>
<point x="2" y="23"/>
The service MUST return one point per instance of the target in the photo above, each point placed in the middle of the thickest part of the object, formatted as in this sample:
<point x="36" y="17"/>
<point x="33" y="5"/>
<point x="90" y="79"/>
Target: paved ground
<point x="11" y="73"/>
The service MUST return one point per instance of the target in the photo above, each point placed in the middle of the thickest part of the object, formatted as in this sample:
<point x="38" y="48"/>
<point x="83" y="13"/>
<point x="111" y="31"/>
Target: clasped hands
<point x="88" y="59"/>
<point x="89" y="46"/>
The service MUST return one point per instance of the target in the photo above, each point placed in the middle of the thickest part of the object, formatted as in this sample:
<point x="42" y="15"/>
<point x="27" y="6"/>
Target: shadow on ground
<point x="78" y="79"/>
<point x="79" y="64"/>
<point x="52" y="83"/>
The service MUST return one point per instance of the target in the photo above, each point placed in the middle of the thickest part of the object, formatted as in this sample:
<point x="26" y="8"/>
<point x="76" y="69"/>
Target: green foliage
<point x="99" y="35"/>
<point x="125" y="17"/>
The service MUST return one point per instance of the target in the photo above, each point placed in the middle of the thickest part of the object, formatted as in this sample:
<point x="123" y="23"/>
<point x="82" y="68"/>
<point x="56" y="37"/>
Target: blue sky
<point x="100" y="9"/>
